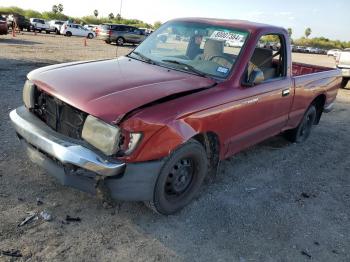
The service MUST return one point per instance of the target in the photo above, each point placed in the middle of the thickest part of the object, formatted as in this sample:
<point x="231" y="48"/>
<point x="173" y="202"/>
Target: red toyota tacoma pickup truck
<point x="151" y="125"/>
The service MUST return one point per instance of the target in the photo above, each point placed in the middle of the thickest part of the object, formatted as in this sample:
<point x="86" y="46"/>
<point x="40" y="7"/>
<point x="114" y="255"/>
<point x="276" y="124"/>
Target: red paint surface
<point x="238" y="115"/>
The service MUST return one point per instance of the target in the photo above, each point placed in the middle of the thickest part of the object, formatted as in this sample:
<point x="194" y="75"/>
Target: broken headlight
<point x="101" y="135"/>
<point x="131" y="142"/>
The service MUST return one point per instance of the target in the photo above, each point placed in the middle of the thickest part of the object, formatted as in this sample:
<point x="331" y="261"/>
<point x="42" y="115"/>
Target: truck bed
<point x="299" y="69"/>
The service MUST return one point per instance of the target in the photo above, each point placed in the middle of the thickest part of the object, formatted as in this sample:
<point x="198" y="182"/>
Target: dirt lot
<point x="274" y="202"/>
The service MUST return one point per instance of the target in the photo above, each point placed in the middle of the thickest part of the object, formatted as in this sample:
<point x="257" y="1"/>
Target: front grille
<point x="58" y="115"/>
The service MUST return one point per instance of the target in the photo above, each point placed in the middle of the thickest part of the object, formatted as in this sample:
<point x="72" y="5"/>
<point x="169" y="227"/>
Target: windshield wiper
<point x="144" y="58"/>
<point x="186" y="67"/>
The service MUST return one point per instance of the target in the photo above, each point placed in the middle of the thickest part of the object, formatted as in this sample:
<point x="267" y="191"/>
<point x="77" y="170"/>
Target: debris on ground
<point x="73" y="219"/>
<point x="11" y="253"/>
<point x="316" y="243"/>
<point x="45" y="215"/>
<point x="32" y="216"/>
<point x="4" y="195"/>
<point x="250" y="189"/>
<point x="305" y="195"/>
<point x="39" y="202"/>
<point x="305" y="253"/>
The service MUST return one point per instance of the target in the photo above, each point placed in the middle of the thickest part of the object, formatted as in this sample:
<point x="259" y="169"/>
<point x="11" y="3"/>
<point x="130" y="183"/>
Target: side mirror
<point x="256" y="77"/>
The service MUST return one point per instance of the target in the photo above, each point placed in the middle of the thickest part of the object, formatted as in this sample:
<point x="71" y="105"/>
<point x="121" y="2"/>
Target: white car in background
<point x="91" y="27"/>
<point x="333" y="52"/>
<point x="55" y="26"/>
<point x="76" y="30"/>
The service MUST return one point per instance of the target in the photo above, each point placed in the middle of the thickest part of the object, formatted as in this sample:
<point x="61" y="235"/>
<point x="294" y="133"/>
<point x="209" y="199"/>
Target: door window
<point x="269" y="57"/>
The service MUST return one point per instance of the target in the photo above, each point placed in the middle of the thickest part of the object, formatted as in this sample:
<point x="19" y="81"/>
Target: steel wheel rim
<point x="179" y="179"/>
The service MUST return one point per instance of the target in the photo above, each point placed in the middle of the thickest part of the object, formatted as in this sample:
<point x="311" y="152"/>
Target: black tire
<point x="180" y="178"/>
<point x="120" y="41"/>
<point x="344" y="82"/>
<point x="90" y="36"/>
<point x="107" y="41"/>
<point x="69" y="34"/>
<point x="303" y="130"/>
<point x="57" y="32"/>
<point x="47" y="32"/>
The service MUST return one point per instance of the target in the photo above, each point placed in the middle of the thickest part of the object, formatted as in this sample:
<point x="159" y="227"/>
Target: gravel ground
<point x="273" y="202"/>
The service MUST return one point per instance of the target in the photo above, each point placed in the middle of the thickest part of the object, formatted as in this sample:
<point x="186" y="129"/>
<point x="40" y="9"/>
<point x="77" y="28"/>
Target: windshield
<point x="194" y="47"/>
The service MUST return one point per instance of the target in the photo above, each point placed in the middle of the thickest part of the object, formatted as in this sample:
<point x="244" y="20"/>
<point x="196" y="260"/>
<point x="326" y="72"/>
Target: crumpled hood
<point x="108" y="89"/>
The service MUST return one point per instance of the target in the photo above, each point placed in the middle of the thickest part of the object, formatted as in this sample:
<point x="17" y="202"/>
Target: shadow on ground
<point x="14" y="41"/>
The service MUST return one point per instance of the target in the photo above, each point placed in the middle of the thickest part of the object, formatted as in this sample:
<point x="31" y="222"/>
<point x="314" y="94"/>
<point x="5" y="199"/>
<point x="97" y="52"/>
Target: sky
<point x="326" y="18"/>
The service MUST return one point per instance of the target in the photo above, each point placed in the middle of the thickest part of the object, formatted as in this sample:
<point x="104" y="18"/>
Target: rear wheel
<point x="47" y="32"/>
<point x="120" y="41"/>
<point x="69" y="34"/>
<point x="180" y="178"/>
<point x="344" y="82"/>
<point x="303" y="130"/>
<point x="90" y="36"/>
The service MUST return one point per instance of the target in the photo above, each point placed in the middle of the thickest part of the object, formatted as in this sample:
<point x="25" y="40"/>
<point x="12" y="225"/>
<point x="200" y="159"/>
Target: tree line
<point x="56" y="13"/>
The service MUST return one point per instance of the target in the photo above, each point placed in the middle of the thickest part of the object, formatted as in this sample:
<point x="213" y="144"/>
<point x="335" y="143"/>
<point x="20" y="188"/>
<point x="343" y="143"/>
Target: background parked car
<point x="120" y="34"/>
<point x="38" y="24"/>
<point x="3" y="26"/>
<point x="91" y="27"/>
<point x="333" y="52"/>
<point x="55" y="26"/>
<point x="343" y="63"/>
<point x="76" y="30"/>
<point x="20" y="21"/>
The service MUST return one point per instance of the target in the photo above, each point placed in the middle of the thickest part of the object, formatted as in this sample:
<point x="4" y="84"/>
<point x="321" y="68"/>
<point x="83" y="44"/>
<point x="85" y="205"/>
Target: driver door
<point x="263" y="108"/>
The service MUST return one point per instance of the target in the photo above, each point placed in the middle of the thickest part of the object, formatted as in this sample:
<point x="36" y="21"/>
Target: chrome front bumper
<point x="38" y="134"/>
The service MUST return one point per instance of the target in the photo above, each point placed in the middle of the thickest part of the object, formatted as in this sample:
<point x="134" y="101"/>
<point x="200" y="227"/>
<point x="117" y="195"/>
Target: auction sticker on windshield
<point x="231" y="36"/>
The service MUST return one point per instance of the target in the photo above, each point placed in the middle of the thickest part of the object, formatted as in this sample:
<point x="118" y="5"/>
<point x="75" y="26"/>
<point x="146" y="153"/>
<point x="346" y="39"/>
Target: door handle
<point x="286" y="92"/>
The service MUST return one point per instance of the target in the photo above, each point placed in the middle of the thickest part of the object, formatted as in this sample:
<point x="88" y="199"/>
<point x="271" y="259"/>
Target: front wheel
<point x="69" y="34"/>
<point x="90" y="36"/>
<point x="180" y="178"/>
<point x="303" y="130"/>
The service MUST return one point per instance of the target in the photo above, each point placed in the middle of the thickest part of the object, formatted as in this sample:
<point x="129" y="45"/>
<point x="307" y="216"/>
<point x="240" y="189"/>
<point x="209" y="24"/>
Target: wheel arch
<point x="211" y="143"/>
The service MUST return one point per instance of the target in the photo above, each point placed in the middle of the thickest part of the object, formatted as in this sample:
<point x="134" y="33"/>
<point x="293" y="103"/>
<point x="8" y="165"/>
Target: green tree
<point x="308" y="32"/>
<point x="157" y="24"/>
<point x="60" y="8"/>
<point x="111" y="16"/>
<point x="119" y="17"/>
<point x="55" y="9"/>
<point x="96" y="13"/>
<point x="290" y="32"/>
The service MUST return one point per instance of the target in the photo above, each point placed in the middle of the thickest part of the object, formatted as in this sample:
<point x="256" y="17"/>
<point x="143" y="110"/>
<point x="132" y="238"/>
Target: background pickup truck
<point x="37" y="24"/>
<point x="150" y="126"/>
<point x="343" y="63"/>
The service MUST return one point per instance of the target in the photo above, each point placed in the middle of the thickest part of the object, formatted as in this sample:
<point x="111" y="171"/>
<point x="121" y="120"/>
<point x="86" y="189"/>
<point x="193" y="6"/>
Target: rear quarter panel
<point x="310" y="86"/>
